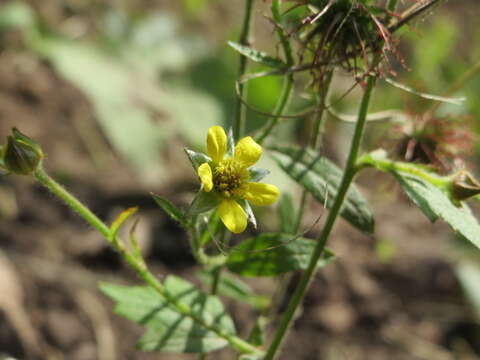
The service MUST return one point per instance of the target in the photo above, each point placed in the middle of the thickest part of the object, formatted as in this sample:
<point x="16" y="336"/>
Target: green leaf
<point x="435" y="204"/>
<point x="321" y="178"/>
<point x="257" y="56"/>
<point x="167" y="328"/>
<point x="171" y="210"/>
<point x="203" y="202"/>
<point x="287" y="214"/>
<point x="273" y="254"/>
<point x="236" y="289"/>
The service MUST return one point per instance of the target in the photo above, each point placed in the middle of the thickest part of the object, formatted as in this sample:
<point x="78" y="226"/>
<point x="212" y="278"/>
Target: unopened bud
<point x="21" y="155"/>
<point x="464" y="186"/>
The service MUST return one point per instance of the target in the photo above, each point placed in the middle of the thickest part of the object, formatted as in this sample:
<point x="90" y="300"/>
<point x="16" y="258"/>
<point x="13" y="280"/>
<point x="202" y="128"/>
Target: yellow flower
<point x="229" y="175"/>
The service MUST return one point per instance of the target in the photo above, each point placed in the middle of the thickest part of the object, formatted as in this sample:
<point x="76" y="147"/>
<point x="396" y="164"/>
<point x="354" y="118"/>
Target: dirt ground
<point x="409" y="306"/>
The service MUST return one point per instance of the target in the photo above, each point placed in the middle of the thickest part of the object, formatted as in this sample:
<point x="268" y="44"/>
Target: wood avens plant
<point x="316" y="38"/>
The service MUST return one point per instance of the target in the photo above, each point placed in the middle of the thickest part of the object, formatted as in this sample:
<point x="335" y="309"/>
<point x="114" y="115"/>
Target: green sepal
<point x="248" y="210"/>
<point x="203" y="202"/>
<point x="257" y="174"/>
<point x="197" y="158"/>
<point x="21" y="155"/>
<point x="464" y="186"/>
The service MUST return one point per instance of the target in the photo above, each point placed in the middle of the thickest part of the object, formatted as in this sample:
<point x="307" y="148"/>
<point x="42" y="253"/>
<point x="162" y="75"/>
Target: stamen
<point x="229" y="176"/>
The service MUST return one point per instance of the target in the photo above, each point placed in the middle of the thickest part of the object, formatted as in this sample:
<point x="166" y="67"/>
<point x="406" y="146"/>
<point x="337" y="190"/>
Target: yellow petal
<point x="261" y="194"/>
<point x="216" y="143"/>
<point x="247" y="151"/>
<point x="233" y="216"/>
<point x="205" y="173"/>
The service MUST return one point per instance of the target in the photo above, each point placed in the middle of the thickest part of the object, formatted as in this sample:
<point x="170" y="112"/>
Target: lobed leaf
<point x="272" y="254"/>
<point x="167" y="328"/>
<point x="321" y="178"/>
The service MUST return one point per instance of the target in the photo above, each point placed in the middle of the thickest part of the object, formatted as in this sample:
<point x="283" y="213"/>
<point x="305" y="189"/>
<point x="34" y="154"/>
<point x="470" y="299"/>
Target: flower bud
<point x="464" y="186"/>
<point x="21" y="155"/>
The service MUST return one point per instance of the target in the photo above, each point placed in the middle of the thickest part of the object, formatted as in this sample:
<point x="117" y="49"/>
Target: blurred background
<point x="113" y="91"/>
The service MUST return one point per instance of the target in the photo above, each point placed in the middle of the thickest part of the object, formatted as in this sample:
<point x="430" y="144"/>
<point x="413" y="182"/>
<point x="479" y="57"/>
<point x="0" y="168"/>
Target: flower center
<point x="229" y="176"/>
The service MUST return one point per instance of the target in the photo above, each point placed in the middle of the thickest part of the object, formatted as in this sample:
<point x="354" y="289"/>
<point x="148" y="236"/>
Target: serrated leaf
<point x="236" y="289"/>
<point x="321" y="178"/>
<point x="273" y="254"/>
<point x="257" y="56"/>
<point x="171" y="210"/>
<point x="435" y="204"/>
<point x="167" y="328"/>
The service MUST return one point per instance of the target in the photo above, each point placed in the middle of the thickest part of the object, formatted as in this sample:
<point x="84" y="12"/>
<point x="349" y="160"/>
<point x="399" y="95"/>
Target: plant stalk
<point x="137" y="264"/>
<point x="240" y="109"/>
<point x="287" y="87"/>
<point x="348" y="175"/>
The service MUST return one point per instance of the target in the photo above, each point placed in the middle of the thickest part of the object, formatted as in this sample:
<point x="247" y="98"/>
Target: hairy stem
<point x="348" y="175"/>
<point x="137" y="264"/>
<point x="240" y="110"/>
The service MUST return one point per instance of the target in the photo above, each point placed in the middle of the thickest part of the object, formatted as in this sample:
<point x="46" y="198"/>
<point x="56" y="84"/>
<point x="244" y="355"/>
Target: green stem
<point x="137" y="264"/>
<point x="316" y="137"/>
<point x="72" y="202"/>
<point x="288" y="81"/>
<point x="348" y="175"/>
<point x="240" y="110"/>
<point x="280" y="107"/>
<point x="388" y="165"/>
